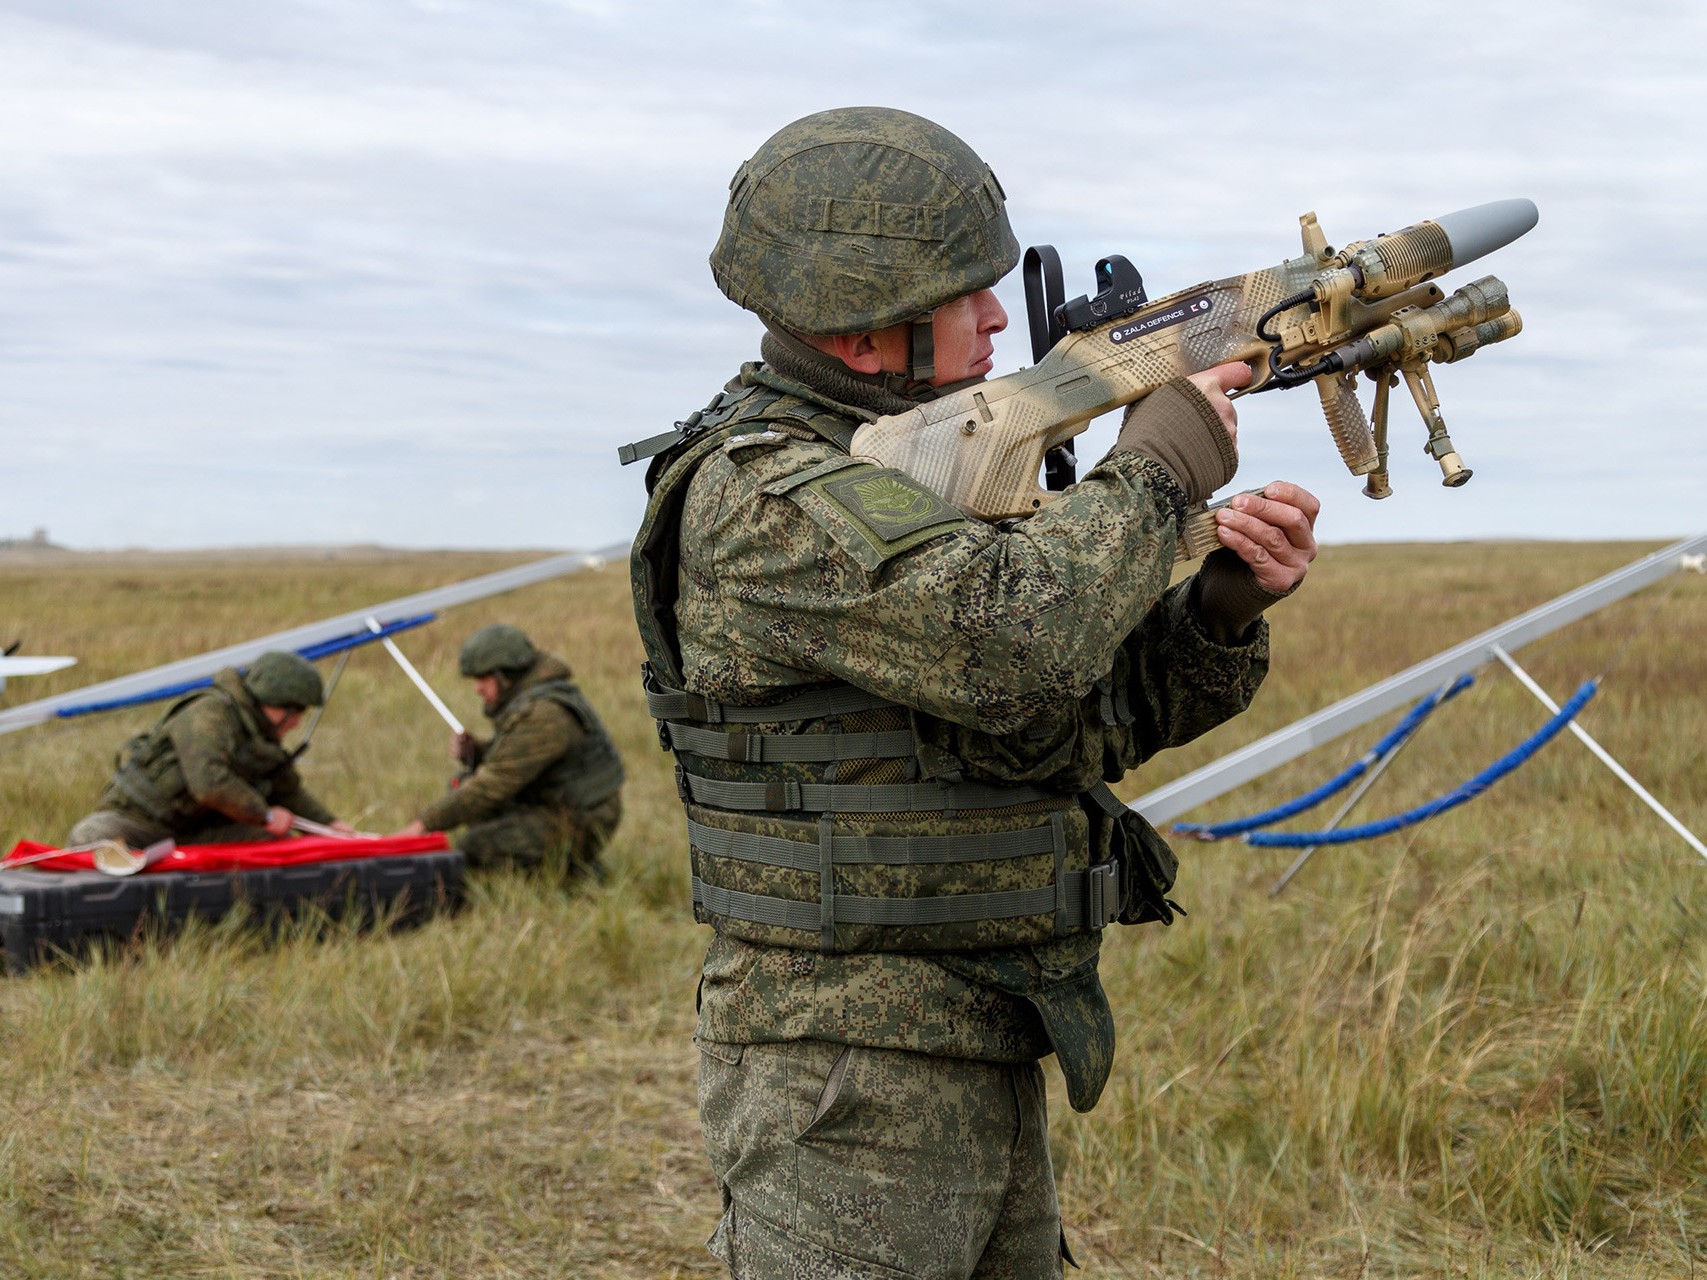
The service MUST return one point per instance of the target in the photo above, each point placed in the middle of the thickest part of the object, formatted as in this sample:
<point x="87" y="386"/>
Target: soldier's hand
<point x="415" y="828"/>
<point x="341" y="827"/>
<point x="279" y="820"/>
<point x="462" y="748"/>
<point x="1274" y="533"/>
<point x="1216" y="383"/>
<point x="1200" y="452"/>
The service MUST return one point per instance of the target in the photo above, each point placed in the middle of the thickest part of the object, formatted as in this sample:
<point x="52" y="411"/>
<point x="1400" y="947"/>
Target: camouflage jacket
<point x="548" y="748"/>
<point x="1011" y="643"/>
<point x="213" y="756"/>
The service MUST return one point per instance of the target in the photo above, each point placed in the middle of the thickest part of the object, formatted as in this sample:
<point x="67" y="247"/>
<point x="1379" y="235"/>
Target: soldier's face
<point x="963" y="331"/>
<point x="284" y="719"/>
<point x="487" y="688"/>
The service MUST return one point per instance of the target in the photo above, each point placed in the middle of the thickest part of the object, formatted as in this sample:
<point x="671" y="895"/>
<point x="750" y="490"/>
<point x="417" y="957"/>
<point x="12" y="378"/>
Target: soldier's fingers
<point x="1276" y="570"/>
<point x="1294" y="496"/>
<point x="1295" y="524"/>
<point x="1272" y="536"/>
<point x="1225" y="377"/>
<point x="1215" y="383"/>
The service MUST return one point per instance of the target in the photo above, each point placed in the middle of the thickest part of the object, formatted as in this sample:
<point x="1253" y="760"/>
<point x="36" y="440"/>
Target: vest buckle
<point x="1102" y="895"/>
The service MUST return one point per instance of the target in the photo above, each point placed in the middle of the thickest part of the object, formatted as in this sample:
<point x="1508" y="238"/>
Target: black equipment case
<point x="48" y="913"/>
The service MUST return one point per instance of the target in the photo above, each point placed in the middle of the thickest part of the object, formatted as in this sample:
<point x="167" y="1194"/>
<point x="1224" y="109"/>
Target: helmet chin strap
<point x="921" y="350"/>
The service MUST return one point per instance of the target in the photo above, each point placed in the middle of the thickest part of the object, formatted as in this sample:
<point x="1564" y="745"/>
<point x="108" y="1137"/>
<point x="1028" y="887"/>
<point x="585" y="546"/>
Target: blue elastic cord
<point x="1339" y="782"/>
<point x="1452" y="799"/>
<point x="321" y="649"/>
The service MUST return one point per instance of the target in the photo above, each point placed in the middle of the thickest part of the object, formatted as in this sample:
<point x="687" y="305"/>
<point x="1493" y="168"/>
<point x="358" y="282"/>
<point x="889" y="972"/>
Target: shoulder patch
<point x="874" y="513"/>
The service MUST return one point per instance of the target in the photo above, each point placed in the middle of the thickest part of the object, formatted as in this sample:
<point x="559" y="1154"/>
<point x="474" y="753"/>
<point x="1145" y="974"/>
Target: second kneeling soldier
<point x="547" y="784"/>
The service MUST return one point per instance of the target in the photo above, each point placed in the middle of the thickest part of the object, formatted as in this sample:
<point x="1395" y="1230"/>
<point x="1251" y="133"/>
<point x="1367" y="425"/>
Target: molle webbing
<point x="1074" y="897"/>
<point x="757" y="748"/>
<point x="847" y="849"/>
<point x="837" y="700"/>
<point x="787" y="796"/>
<point x="1081" y="900"/>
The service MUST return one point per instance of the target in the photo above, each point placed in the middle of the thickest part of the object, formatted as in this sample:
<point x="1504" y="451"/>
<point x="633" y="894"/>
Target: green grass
<point x="1478" y="1048"/>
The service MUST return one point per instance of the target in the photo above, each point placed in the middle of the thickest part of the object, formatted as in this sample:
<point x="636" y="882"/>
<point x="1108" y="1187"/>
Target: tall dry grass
<point x="1475" y="1049"/>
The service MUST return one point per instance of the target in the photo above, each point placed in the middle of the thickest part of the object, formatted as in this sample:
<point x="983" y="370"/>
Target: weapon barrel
<point x="1397" y="261"/>
<point x="1483" y="228"/>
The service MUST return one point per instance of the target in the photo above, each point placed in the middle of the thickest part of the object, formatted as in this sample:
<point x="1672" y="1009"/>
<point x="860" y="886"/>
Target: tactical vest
<point x="823" y="821"/>
<point x="590" y="771"/>
<point x="150" y="778"/>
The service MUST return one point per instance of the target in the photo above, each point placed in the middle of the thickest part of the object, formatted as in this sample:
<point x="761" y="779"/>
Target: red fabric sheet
<point x="242" y="857"/>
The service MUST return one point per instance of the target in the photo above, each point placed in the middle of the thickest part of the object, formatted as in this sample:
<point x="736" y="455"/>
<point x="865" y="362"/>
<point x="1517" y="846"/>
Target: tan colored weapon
<point x="1370" y="307"/>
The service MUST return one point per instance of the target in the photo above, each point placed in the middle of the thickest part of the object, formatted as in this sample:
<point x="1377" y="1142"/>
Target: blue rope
<point x="1339" y="782"/>
<point x="1451" y="800"/>
<point x="320" y="649"/>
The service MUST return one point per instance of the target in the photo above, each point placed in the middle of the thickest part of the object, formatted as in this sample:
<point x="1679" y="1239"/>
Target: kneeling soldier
<point x="214" y="771"/>
<point x="548" y="783"/>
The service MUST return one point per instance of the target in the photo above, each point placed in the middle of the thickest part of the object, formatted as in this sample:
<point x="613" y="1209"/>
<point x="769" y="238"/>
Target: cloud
<point x="412" y="272"/>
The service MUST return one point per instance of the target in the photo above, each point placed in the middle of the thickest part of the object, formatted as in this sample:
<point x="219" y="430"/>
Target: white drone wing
<point x="31" y="666"/>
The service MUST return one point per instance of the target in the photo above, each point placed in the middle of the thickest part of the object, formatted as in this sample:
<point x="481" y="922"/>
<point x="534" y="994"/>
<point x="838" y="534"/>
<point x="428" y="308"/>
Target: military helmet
<point x="279" y="679"/>
<point x="852" y="220"/>
<point x="499" y="647"/>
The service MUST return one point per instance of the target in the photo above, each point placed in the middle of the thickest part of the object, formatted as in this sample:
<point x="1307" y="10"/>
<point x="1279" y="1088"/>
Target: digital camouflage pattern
<point x="548" y="751"/>
<point x="801" y="1134"/>
<point x="544" y="836"/>
<point x="858" y="218"/>
<point x="1052" y="655"/>
<point x="212" y="761"/>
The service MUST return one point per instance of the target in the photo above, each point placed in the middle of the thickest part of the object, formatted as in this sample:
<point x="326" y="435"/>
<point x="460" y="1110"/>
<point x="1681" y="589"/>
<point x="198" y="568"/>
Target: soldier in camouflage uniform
<point x="213" y="771"/>
<point x="894" y="725"/>
<point x="547" y="786"/>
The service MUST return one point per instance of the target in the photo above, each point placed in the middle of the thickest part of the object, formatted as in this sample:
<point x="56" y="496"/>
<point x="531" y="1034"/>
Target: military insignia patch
<point x="889" y="503"/>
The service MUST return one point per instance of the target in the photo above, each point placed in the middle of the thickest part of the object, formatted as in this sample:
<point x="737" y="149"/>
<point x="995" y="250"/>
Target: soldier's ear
<point x="859" y="351"/>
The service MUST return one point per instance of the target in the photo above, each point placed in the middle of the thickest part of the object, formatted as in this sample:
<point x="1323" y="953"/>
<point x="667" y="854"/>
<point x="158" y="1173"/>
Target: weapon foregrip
<point x="1347" y="423"/>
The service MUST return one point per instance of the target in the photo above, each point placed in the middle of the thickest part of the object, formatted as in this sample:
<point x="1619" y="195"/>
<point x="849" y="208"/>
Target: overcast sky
<point x="409" y="271"/>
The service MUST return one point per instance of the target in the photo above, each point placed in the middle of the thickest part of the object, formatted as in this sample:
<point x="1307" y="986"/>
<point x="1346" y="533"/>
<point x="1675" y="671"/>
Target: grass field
<point x="1475" y="1049"/>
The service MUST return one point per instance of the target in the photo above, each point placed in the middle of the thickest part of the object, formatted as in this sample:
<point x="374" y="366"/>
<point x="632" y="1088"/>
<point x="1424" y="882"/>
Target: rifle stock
<point x="1321" y="317"/>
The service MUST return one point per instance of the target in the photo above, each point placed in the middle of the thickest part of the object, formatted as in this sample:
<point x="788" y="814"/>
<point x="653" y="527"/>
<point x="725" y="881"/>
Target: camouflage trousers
<point x="139" y="832"/>
<point x="842" y="1162"/>
<point x="534" y="835"/>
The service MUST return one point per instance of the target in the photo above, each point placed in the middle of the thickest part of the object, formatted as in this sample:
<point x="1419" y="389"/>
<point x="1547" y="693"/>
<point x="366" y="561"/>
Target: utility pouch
<point x="1148" y="865"/>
